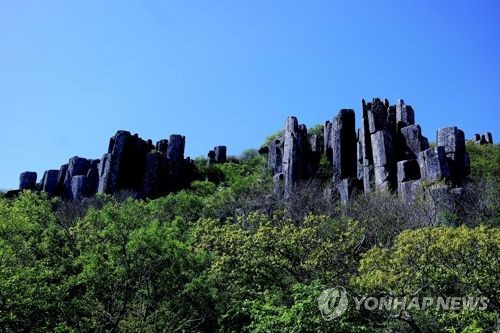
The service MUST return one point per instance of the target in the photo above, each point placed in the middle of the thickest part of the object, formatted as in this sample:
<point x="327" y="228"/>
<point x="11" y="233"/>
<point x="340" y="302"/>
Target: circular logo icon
<point x="332" y="303"/>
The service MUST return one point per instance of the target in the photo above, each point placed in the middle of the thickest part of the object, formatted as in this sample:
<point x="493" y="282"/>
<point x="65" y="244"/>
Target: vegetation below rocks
<point x="228" y="255"/>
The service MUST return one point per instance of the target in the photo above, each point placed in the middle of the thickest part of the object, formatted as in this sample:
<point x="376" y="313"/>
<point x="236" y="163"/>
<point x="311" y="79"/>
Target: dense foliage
<point x="228" y="255"/>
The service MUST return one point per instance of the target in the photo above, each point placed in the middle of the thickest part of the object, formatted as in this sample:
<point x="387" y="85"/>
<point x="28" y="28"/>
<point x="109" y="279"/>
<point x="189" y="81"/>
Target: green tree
<point x="434" y="262"/>
<point x="269" y="272"/>
<point x="138" y="271"/>
<point x="36" y="267"/>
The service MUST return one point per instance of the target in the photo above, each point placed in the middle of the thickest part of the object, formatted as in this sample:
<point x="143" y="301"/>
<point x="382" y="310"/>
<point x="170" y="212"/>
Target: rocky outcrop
<point x="217" y="155"/>
<point x="131" y="163"/>
<point x="484" y="139"/>
<point x="388" y="153"/>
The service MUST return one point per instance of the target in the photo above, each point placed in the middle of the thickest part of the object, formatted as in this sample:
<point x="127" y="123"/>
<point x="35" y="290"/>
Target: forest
<point x="230" y="255"/>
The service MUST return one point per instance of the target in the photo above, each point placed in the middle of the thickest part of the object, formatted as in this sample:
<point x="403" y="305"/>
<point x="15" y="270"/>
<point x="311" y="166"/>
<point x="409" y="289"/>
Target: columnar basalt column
<point x="27" y="180"/>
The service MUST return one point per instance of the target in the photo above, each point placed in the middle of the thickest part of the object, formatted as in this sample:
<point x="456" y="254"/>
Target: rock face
<point x="131" y="163"/>
<point x="389" y="153"/>
<point x="78" y="187"/>
<point x="77" y="167"/>
<point x="344" y="151"/>
<point x="50" y="179"/>
<point x="293" y="154"/>
<point x="27" y="180"/>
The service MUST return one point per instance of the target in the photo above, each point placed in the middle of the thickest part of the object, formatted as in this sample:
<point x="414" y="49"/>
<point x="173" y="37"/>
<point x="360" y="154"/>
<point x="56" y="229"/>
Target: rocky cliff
<point x="386" y="153"/>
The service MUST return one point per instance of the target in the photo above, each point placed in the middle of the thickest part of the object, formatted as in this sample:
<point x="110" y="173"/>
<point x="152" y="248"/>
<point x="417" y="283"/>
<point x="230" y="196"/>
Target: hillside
<point x="229" y="254"/>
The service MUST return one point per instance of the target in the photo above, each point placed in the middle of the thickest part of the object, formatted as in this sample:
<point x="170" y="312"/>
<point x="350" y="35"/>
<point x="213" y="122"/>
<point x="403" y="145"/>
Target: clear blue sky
<point x="230" y="72"/>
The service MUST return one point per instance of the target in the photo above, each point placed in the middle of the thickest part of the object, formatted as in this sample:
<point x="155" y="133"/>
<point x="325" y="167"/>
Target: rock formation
<point x="387" y="153"/>
<point x="131" y="163"/>
<point x="217" y="155"/>
<point x="484" y="139"/>
<point x="27" y="180"/>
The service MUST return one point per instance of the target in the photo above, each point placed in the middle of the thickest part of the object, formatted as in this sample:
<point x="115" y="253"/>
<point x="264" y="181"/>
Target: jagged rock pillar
<point x="50" y="181"/>
<point x="344" y="152"/>
<point x="27" y="180"/>
<point x="175" y="159"/>
<point x="433" y="164"/>
<point x="77" y="167"/>
<point x="344" y="145"/>
<point x="78" y="186"/>
<point x="453" y="141"/>
<point x="220" y="154"/>
<point x="291" y="158"/>
<point x="109" y="166"/>
<point x="295" y="148"/>
<point x="384" y="161"/>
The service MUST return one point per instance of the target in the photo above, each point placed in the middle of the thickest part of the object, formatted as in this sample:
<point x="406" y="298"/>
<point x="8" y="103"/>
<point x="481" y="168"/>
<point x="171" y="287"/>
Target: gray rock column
<point x="50" y="181"/>
<point x="275" y="157"/>
<point x="291" y="155"/>
<point x="109" y="166"/>
<point x="78" y="187"/>
<point x="383" y="160"/>
<point x="77" y="167"/>
<point x="433" y="164"/>
<point x="211" y="158"/>
<point x="377" y="116"/>
<point x="92" y="181"/>
<point x="60" y="179"/>
<point x="175" y="150"/>
<point x="154" y="180"/>
<point x="405" y="115"/>
<point x="27" y="180"/>
<point x="412" y="142"/>
<point x="453" y="141"/>
<point x="488" y="137"/>
<point x="162" y="146"/>
<point x="220" y="154"/>
<point x="344" y="152"/>
<point x="327" y="135"/>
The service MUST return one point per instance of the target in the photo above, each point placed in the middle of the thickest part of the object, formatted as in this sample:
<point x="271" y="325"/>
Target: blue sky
<point x="230" y="72"/>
